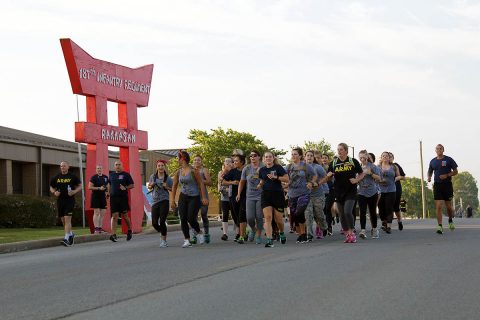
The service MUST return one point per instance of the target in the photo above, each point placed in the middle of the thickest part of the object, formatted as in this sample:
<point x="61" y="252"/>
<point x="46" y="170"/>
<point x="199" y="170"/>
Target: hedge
<point x="23" y="211"/>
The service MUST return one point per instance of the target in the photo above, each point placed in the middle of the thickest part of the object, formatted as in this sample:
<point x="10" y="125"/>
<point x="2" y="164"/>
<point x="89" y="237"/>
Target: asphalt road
<point x="412" y="274"/>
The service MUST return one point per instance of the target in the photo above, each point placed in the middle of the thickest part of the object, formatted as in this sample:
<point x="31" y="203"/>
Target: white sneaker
<point x="363" y="234"/>
<point x="375" y="234"/>
<point x="201" y="239"/>
<point x="163" y="243"/>
<point x="186" y="244"/>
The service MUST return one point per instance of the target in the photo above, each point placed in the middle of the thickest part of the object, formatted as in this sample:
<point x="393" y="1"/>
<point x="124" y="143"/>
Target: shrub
<point x="23" y="211"/>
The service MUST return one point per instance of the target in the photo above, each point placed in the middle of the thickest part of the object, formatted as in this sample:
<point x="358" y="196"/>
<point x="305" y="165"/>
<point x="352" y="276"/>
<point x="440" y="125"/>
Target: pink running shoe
<point x="347" y="239"/>
<point x="318" y="232"/>
<point x="353" y="238"/>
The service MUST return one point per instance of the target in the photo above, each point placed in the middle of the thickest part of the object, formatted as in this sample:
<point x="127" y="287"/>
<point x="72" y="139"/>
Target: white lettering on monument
<point x="118" y="135"/>
<point x="113" y="81"/>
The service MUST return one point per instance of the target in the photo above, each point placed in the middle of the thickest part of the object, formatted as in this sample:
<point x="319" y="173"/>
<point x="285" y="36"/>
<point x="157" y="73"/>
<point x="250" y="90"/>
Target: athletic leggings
<point x="371" y="203"/>
<point x="204" y="214"/>
<point x="160" y="212"/>
<point x="238" y="209"/>
<point x="385" y="206"/>
<point x="254" y="214"/>
<point x="329" y="200"/>
<point x="297" y="206"/>
<point x="345" y="211"/>
<point x="188" y="207"/>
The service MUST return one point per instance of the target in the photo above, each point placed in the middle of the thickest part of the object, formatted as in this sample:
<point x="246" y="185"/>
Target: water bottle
<point x="69" y="188"/>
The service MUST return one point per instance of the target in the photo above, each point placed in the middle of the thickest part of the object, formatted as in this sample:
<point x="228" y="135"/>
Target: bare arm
<point x="208" y="179"/>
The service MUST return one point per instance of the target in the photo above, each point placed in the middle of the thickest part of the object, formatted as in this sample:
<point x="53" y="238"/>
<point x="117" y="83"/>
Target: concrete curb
<point x="56" y="242"/>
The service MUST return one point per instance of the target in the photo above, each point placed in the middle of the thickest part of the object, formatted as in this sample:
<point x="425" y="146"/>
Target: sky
<point x="377" y="75"/>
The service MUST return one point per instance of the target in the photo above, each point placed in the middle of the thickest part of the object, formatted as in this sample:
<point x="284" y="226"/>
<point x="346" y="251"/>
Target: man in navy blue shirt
<point x="444" y="168"/>
<point x="120" y="183"/>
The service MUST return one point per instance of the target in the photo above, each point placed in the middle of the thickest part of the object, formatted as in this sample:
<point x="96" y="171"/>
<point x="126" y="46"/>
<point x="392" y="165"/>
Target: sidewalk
<point x="55" y="242"/>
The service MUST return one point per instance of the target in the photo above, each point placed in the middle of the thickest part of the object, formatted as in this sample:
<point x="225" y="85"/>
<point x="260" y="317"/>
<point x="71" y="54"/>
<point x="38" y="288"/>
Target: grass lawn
<point x="14" y="235"/>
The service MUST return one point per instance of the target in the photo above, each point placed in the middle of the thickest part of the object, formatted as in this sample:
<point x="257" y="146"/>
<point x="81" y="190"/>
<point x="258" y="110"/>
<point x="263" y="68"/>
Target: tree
<point x="412" y="193"/>
<point x="322" y="146"/>
<point x="465" y="188"/>
<point x="217" y="144"/>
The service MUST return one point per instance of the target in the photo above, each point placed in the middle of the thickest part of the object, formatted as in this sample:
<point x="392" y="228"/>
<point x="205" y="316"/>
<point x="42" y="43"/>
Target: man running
<point x="120" y="183"/>
<point x="64" y="186"/>
<point x="444" y="168"/>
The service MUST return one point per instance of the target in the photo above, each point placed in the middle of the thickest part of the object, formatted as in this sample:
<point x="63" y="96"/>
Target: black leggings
<point x="371" y="203"/>
<point x="160" y="212"/>
<point x="239" y="210"/>
<point x="329" y="200"/>
<point x="204" y="214"/>
<point x="385" y="206"/>
<point x="188" y="207"/>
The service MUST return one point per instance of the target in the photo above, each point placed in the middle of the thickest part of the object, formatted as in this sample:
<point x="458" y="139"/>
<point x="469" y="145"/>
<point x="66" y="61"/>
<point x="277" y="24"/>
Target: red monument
<point x="102" y="81"/>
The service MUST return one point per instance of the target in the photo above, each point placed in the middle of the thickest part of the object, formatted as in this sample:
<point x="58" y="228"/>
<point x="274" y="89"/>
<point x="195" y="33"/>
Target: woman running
<point x="388" y="176"/>
<point x="207" y="182"/>
<point x="272" y="199"/>
<point x="348" y="173"/>
<point x="225" y="193"/>
<point x="160" y="184"/>
<point x="192" y="190"/>
<point x="398" y="195"/>
<point x="317" y="200"/>
<point x="329" y="197"/>
<point x="99" y="186"/>
<point x="232" y="178"/>
<point x="251" y="179"/>
<point x="368" y="195"/>
<point x="302" y="177"/>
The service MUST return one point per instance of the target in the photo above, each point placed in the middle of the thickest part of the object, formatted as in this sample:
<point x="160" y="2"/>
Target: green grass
<point x="8" y="235"/>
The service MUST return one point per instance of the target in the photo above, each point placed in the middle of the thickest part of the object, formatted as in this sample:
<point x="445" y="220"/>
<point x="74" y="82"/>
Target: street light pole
<point x="423" y="179"/>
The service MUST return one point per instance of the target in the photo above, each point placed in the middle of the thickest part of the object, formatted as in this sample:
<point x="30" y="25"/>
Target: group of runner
<point x="312" y="187"/>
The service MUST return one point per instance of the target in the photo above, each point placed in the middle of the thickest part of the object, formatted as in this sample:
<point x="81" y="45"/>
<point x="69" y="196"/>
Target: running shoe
<point x="347" y="239"/>
<point x="269" y="243"/>
<point x="224" y="237"/>
<point x="388" y="230"/>
<point x="236" y="237"/>
<point x="129" y="235"/>
<point x="324" y="234"/>
<point x="353" y="238"/>
<point x="251" y="236"/>
<point x="258" y="240"/>
<point x="201" y="239"/>
<point x="275" y="236"/>
<point x="194" y="239"/>
<point x="163" y="243"/>
<point x="207" y="237"/>
<point x="451" y="226"/>
<point x="71" y="238"/>
<point x="186" y="244"/>
<point x="375" y="234"/>
<point x="329" y="231"/>
<point x="363" y="234"/>
<point x="240" y="240"/>
<point x="318" y="232"/>
<point x="283" y="239"/>
<point x="299" y="239"/>
<point x="400" y="225"/>
<point x="354" y="230"/>
<point x="304" y="238"/>
<point x="309" y="238"/>
<point x="292" y="230"/>
<point x="97" y="231"/>
<point x="65" y="242"/>
<point x="384" y="226"/>
<point x="113" y="238"/>
<point x="440" y="230"/>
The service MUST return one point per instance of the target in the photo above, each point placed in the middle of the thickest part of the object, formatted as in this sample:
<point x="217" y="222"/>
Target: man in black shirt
<point x="120" y="183"/>
<point x="64" y="186"/>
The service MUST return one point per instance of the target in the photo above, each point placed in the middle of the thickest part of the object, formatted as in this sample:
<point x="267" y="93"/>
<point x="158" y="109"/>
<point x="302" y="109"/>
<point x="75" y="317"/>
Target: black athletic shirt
<point x="61" y="182"/>
<point x="343" y="171"/>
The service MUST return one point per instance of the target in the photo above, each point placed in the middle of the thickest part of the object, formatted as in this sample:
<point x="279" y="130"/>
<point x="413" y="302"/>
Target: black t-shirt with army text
<point x="61" y="182"/>
<point x="343" y="171"/>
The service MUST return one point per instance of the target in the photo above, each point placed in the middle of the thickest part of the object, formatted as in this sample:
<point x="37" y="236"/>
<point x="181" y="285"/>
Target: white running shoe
<point x="201" y="239"/>
<point x="375" y="234"/>
<point x="363" y="234"/>
<point x="163" y="243"/>
<point x="186" y="244"/>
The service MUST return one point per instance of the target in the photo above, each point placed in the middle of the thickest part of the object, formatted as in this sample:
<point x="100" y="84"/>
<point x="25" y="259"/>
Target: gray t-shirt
<point x="320" y="173"/>
<point x="250" y="174"/>
<point x="159" y="193"/>
<point x="188" y="184"/>
<point x="367" y="187"/>
<point x="298" y="175"/>
<point x="388" y="180"/>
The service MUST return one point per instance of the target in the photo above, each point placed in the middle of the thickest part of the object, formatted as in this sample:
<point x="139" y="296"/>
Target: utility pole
<point x="423" y="179"/>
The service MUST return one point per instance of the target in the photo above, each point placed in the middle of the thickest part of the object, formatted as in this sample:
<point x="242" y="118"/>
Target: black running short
<point x="443" y="191"/>
<point x="273" y="198"/>
<point x="65" y="206"/>
<point x="119" y="204"/>
<point x="98" y="201"/>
